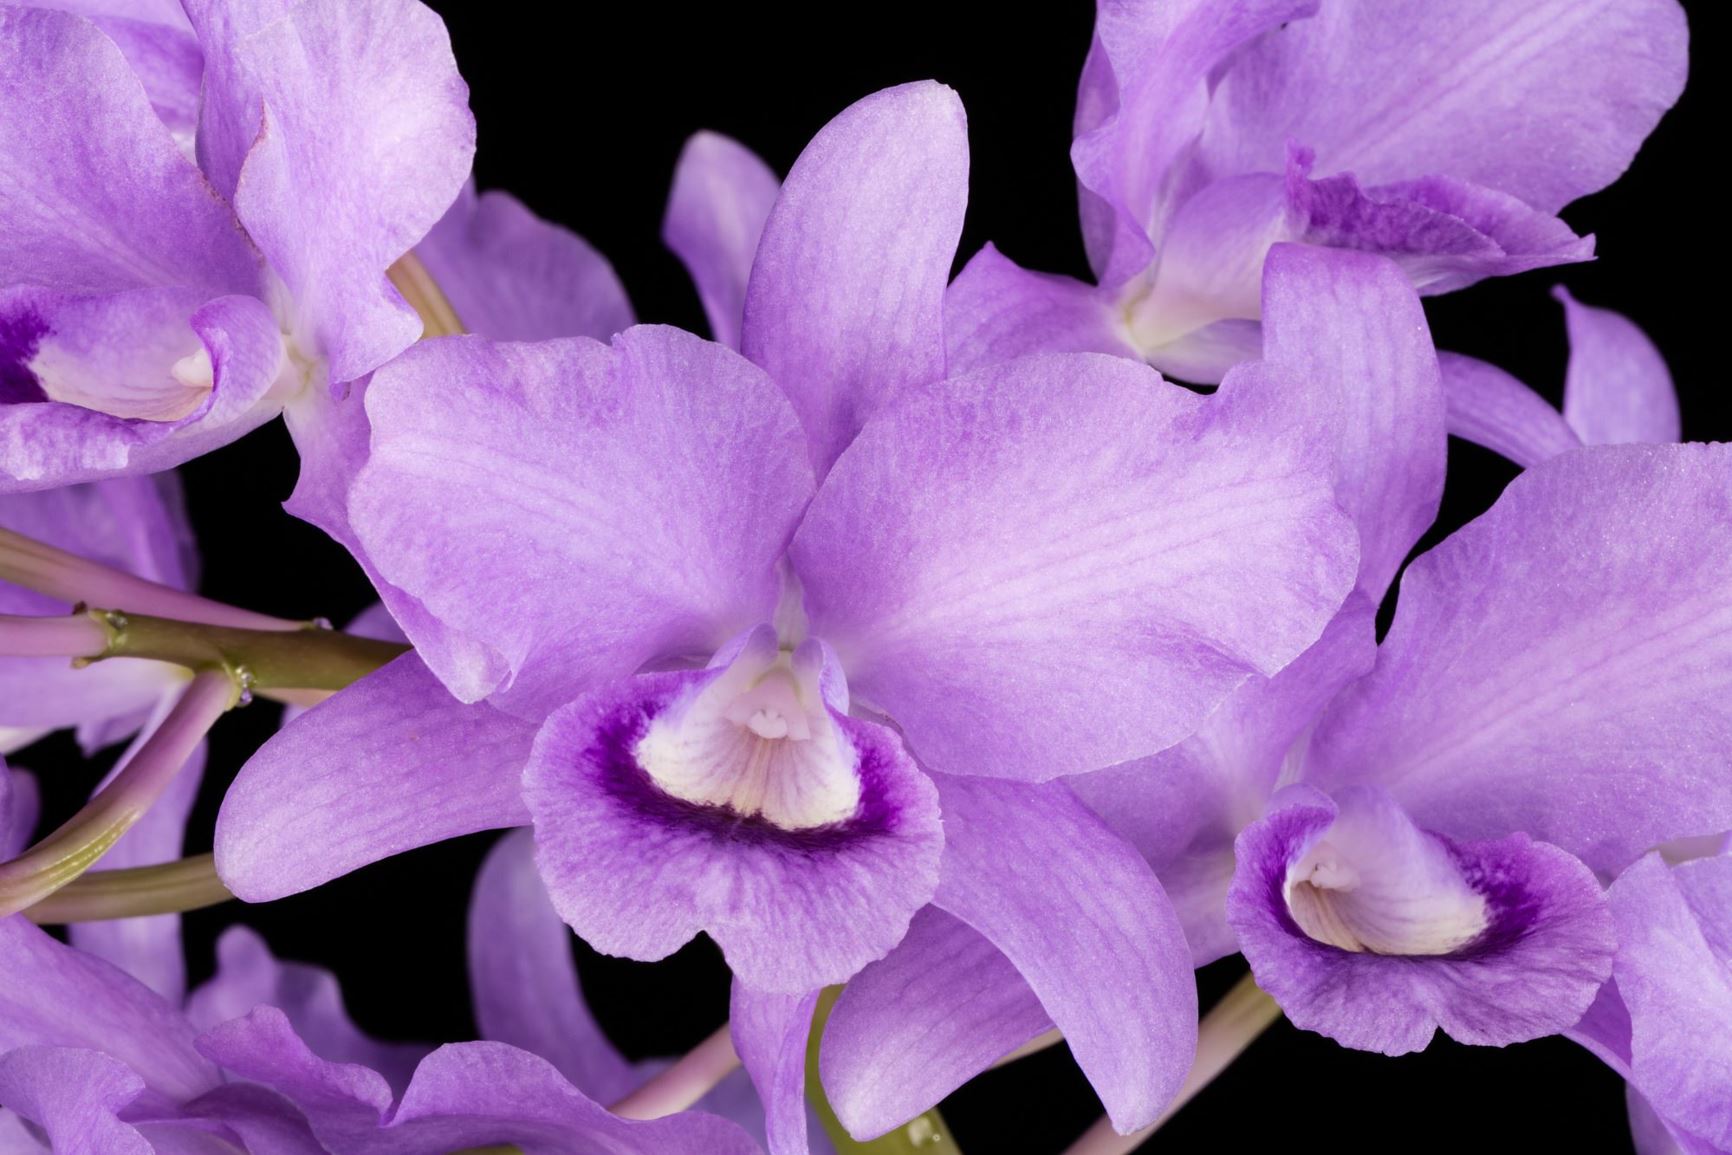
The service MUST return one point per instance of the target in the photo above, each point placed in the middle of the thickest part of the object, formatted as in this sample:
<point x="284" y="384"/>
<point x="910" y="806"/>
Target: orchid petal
<point x="53" y="995"/>
<point x="125" y="210"/>
<point x="249" y="976"/>
<point x="844" y="307"/>
<point x="721" y="197"/>
<point x="1486" y="92"/>
<point x="770" y="1033"/>
<point x="74" y="1096"/>
<point x="1061" y="538"/>
<point x="1035" y="872"/>
<point x="1489" y="407"/>
<point x="646" y="490"/>
<point x="997" y="311"/>
<point x="1344" y="334"/>
<point x="917" y="1024"/>
<point x="1674" y="972"/>
<point x="391" y="763"/>
<point x="1617" y="388"/>
<point x="512" y="276"/>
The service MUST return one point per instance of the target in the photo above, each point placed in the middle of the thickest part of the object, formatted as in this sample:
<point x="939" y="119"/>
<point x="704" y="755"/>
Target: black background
<point x="582" y="111"/>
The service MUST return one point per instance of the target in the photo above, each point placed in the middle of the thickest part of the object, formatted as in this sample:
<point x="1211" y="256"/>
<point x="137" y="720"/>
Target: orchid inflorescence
<point x="967" y="681"/>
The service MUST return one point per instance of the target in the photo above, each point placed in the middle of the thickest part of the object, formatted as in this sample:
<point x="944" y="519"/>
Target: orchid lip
<point x="1375" y="883"/>
<point x="757" y="739"/>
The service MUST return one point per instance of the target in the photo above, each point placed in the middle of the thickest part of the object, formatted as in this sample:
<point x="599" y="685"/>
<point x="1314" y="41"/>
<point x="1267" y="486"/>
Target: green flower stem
<point x="922" y="1135"/>
<point x="310" y="658"/>
<point x="98" y="895"/>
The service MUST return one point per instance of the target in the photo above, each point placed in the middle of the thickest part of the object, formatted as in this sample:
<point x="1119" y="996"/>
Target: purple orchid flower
<point x="1446" y="137"/>
<point x="155" y="305"/>
<point x="685" y="593"/>
<point x="136" y="525"/>
<point x="265" y="1058"/>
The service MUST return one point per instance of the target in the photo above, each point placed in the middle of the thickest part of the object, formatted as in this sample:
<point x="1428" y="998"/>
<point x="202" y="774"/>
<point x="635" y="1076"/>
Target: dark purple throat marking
<point x="610" y="756"/>
<point x="20" y="336"/>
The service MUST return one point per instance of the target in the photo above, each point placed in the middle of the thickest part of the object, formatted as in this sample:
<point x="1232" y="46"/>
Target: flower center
<point x="758" y="739"/>
<point x="1377" y="883"/>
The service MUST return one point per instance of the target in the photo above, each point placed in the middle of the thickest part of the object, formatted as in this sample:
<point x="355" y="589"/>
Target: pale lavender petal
<point x="52" y="995"/>
<point x="341" y="131"/>
<point x="512" y="276"/>
<point x="1182" y="808"/>
<point x="1617" y="388"/>
<point x="639" y="494"/>
<point x="917" y="1024"/>
<point x="844" y="307"/>
<point x="20" y="805"/>
<point x="996" y="310"/>
<point x="124" y="210"/>
<point x="148" y="949"/>
<point x="721" y="196"/>
<point x="50" y="443"/>
<point x="475" y="1094"/>
<point x="638" y="872"/>
<point x="1488" y="407"/>
<point x="249" y="976"/>
<point x="74" y="1096"/>
<point x="521" y="976"/>
<point x="1674" y="972"/>
<point x="338" y="1098"/>
<point x="1062" y="562"/>
<point x="1561" y="665"/>
<point x="770" y="1032"/>
<point x="1545" y="101"/>
<point x="165" y="56"/>
<point x="1345" y="338"/>
<point x="1161" y="58"/>
<point x="1084" y="920"/>
<point x="1539" y="947"/>
<point x="389" y="764"/>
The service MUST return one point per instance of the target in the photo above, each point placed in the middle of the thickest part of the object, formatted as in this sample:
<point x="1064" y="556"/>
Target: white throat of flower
<point x="758" y="740"/>
<point x="1376" y="883"/>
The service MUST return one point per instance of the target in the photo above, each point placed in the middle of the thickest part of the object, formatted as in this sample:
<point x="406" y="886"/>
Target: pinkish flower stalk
<point x="680" y="1086"/>
<point x="70" y="578"/>
<point x="88" y="835"/>
<point x="1229" y="1027"/>
<point x="75" y="636"/>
